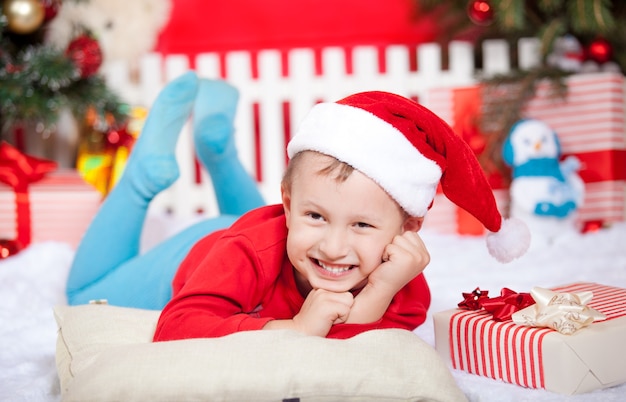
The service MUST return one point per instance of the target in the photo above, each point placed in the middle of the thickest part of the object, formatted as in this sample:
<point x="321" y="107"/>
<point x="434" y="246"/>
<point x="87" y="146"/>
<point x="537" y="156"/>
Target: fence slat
<point x="496" y="57"/>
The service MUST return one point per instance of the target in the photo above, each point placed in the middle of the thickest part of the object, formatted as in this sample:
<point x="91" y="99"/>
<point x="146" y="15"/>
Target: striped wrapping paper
<point x="591" y="358"/>
<point x="590" y="123"/>
<point x="62" y="207"/>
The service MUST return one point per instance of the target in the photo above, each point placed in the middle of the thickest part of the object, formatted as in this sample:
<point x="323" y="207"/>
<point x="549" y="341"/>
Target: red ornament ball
<point x="86" y="54"/>
<point x="480" y="12"/>
<point x="600" y="50"/>
<point x="51" y="8"/>
<point x="9" y="248"/>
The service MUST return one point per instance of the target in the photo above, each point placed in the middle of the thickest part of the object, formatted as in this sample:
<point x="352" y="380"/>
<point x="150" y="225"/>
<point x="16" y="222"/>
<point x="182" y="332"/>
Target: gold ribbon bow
<point x="563" y="312"/>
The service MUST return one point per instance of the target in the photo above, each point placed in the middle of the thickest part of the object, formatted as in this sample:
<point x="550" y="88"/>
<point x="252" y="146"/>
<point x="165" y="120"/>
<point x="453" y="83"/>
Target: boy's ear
<point x="286" y="197"/>
<point x="413" y="224"/>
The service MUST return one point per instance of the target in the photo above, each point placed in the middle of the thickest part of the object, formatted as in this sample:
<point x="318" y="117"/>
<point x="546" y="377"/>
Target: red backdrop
<point x="198" y="26"/>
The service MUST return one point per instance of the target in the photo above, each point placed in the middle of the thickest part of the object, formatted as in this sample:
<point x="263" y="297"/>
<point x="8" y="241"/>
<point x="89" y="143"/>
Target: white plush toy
<point x="545" y="192"/>
<point x="125" y="30"/>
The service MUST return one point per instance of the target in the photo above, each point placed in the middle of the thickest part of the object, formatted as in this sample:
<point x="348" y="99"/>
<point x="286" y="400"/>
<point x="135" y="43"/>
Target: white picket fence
<point x="262" y="125"/>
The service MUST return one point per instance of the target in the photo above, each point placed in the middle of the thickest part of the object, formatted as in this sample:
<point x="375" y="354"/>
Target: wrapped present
<point x="590" y="123"/>
<point x="61" y="205"/>
<point x="540" y="357"/>
<point x="105" y="148"/>
<point x="17" y="171"/>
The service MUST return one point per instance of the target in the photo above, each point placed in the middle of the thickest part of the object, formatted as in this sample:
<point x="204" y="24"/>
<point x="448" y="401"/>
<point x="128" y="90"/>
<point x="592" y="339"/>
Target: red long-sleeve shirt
<point x="240" y="278"/>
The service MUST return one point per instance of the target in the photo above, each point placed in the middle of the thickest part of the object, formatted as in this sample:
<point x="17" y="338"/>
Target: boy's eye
<point x="314" y="215"/>
<point x="363" y="225"/>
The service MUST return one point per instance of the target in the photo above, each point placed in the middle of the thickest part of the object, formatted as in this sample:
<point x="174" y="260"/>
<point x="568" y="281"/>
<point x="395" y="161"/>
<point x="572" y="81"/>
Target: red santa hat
<point x="408" y="150"/>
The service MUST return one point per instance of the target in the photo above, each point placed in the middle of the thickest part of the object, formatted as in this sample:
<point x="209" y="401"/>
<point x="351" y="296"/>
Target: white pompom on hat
<point x="408" y="150"/>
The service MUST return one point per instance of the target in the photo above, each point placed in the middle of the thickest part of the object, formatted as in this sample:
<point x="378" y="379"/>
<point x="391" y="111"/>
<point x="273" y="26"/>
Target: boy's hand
<point x="321" y="310"/>
<point x="403" y="259"/>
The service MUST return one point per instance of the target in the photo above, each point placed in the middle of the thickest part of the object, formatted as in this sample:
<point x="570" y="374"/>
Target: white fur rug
<point x="32" y="282"/>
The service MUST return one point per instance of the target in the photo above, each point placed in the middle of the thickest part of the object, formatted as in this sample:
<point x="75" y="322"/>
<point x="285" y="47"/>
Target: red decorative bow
<point x="501" y="307"/>
<point x="472" y="301"/>
<point x="18" y="171"/>
<point x="509" y="301"/>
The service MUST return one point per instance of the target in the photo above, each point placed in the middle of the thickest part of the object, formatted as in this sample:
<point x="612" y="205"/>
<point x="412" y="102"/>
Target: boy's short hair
<point x="341" y="169"/>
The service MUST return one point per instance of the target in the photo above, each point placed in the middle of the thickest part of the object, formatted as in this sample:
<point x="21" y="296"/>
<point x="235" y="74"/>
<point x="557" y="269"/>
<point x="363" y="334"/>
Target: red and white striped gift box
<point x="592" y="358"/>
<point x="590" y="123"/>
<point x="62" y="206"/>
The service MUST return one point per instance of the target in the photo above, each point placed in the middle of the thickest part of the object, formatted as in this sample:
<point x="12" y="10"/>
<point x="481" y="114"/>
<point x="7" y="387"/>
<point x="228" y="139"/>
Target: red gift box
<point x="62" y="206"/>
<point x="590" y="123"/>
<point x="592" y="358"/>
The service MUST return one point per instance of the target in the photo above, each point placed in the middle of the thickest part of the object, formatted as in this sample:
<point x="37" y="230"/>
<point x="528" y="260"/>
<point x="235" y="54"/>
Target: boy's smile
<point x="338" y="230"/>
<point x="334" y="269"/>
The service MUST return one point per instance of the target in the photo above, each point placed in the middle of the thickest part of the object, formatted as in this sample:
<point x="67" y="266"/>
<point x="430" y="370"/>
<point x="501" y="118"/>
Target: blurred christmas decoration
<point x="575" y="36"/>
<point x="9" y="248"/>
<point x="39" y="81"/>
<point x="24" y="16"/>
<point x="545" y="191"/>
<point x="104" y="152"/>
<point x="85" y="52"/>
<point x="480" y="12"/>
<point x="600" y="50"/>
<point x="589" y="21"/>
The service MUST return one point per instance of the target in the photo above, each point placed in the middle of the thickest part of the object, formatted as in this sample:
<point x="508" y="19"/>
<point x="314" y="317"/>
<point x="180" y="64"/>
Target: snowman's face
<point x="532" y="140"/>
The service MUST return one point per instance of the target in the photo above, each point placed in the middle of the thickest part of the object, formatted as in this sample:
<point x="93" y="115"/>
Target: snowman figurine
<point x="545" y="192"/>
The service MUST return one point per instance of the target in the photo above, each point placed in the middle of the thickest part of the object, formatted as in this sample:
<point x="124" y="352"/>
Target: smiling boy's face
<point x="338" y="230"/>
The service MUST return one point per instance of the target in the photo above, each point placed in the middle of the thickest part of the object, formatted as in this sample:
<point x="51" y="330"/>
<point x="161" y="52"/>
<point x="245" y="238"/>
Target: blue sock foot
<point x="213" y="115"/>
<point x="152" y="165"/>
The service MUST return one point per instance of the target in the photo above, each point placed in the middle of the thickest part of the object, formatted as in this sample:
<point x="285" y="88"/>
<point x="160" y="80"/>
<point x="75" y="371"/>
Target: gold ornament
<point x="24" y="16"/>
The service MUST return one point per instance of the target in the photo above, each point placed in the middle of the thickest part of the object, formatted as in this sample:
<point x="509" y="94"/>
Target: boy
<point x="341" y="255"/>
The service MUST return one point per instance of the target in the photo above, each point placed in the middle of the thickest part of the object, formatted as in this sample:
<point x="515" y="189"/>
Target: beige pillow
<point x="105" y="353"/>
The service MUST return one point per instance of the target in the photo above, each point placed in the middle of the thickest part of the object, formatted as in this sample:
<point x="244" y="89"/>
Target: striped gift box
<point x="590" y="123"/>
<point x="62" y="207"/>
<point x="592" y="358"/>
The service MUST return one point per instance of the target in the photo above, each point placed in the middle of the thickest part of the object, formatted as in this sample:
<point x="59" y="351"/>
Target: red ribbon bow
<point x="501" y="307"/>
<point x="18" y="171"/>
<point x="509" y="301"/>
<point x="472" y="301"/>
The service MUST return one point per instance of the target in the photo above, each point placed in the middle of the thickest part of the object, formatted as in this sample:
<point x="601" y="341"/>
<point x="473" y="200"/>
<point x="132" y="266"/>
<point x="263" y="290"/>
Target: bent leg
<point x="113" y="237"/>
<point x="107" y="263"/>
<point x="213" y="114"/>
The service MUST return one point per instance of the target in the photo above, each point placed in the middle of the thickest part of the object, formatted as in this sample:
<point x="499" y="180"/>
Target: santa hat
<point x="408" y="150"/>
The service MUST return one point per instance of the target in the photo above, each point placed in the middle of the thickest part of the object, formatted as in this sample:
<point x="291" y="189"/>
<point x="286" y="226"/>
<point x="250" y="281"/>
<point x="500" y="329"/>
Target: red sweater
<point x="240" y="278"/>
